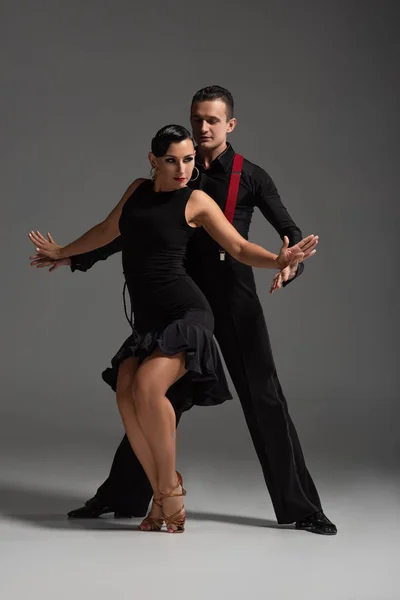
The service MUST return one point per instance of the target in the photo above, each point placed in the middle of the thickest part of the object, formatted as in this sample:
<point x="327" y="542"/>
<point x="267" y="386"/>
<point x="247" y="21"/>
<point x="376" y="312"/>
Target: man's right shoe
<point x="94" y="508"/>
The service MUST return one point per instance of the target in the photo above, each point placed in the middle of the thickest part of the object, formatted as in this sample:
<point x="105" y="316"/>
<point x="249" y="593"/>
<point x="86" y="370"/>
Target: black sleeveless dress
<point x="170" y="312"/>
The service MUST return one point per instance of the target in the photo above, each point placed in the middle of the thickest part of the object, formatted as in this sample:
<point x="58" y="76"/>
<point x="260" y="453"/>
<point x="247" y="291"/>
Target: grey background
<point x="85" y="85"/>
<point x="84" y="89"/>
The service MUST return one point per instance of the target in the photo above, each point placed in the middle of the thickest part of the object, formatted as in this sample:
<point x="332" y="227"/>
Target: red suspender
<point x="233" y="192"/>
<point x="233" y="187"/>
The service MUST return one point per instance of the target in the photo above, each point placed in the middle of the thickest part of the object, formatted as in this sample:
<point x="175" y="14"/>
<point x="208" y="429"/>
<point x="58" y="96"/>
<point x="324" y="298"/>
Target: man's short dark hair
<point x="216" y="92"/>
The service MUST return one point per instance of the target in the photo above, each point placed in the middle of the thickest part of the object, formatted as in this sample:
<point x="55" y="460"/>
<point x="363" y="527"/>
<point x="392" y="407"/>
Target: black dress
<point x="170" y="312"/>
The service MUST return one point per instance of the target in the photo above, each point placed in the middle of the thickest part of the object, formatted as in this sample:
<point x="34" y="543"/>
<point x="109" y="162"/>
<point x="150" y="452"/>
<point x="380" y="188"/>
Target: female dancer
<point x="173" y="328"/>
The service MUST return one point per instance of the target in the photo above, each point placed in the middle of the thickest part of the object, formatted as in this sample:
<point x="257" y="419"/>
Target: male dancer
<point x="239" y="328"/>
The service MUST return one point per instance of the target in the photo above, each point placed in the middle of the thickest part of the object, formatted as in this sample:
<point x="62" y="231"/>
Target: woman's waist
<point x="155" y="279"/>
<point x="165" y="293"/>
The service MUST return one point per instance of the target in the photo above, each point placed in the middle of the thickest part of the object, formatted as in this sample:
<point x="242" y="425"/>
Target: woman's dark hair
<point x="168" y="135"/>
<point x="216" y="92"/>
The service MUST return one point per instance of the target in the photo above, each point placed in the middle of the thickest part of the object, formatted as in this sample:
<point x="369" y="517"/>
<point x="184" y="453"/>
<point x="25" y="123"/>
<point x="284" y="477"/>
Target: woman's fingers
<point x="37" y="237"/>
<point x="308" y="243"/>
<point x="285" y="243"/>
<point x="38" y="242"/>
<point x="308" y="255"/>
<point x="40" y="236"/>
<point x="295" y="254"/>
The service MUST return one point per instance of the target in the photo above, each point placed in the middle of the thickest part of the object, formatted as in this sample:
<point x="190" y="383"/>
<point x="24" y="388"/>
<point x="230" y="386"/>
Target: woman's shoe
<point x="178" y="518"/>
<point x="150" y="523"/>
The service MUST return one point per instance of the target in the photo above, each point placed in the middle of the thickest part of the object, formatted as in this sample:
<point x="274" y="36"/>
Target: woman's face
<point x="174" y="169"/>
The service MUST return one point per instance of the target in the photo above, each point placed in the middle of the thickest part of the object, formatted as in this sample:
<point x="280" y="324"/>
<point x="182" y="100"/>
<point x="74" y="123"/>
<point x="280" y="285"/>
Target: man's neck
<point x="206" y="156"/>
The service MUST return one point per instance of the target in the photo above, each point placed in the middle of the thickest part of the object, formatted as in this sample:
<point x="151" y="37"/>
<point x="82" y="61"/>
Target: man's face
<point x="210" y="123"/>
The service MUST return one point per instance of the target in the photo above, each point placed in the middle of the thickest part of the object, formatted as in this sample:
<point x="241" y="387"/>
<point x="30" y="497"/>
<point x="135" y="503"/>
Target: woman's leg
<point x="126" y="405"/>
<point x="156" y="418"/>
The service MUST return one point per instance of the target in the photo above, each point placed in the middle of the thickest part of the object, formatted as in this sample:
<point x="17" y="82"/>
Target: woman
<point x="173" y="329"/>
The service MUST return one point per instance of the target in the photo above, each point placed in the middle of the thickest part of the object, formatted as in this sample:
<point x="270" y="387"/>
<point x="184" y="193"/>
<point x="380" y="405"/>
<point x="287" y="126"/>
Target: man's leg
<point x="127" y="488"/>
<point x="245" y="345"/>
<point x="126" y="491"/>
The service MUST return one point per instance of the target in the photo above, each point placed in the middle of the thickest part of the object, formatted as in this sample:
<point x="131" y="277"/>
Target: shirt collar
<point x="222" y="161"/>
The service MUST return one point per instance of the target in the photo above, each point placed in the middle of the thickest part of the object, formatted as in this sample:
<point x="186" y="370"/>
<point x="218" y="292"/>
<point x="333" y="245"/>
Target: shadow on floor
<point x="48" y="509"/>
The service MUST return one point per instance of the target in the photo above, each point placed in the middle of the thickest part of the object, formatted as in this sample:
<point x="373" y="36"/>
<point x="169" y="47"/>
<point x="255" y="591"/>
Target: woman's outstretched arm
<point x="98" y="236"/>
<point x="202" y="211"/>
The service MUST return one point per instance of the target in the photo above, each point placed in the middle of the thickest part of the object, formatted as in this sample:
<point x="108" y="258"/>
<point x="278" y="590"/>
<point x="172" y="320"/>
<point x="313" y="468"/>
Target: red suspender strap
<point x="233" y="190"/>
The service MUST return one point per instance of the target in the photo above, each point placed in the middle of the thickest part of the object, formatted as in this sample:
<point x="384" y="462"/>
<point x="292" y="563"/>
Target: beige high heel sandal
<point x="155" y="523"/>
<point x="178" y="518"/>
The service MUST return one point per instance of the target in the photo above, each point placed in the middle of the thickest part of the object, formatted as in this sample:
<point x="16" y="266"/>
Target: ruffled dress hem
<point x="204" y="384"/>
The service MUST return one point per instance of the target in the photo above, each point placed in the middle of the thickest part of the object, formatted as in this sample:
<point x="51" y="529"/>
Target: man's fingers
<point x="276" y="283"/>
<point x="274" y="287"/>
<point x="40" y="261"/>
<point x="284" y="275"/>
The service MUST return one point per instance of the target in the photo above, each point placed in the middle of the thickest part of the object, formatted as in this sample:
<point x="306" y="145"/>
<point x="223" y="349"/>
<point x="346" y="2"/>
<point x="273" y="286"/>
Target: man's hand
<point x="285" y="275"/>
<point x="307" y="246"/>
<point x="41" y="262"/>
<point x="45" y="247"/>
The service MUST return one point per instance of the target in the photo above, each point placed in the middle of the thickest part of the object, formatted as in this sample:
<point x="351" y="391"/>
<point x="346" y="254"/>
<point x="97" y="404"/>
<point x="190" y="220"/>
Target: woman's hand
<point x="289" y="272"/>
<point x="297" y="253"/>
<point x="45" y="247"/>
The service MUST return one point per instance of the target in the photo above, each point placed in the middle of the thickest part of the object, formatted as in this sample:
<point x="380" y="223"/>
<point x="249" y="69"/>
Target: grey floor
<point x="232" y="547"/>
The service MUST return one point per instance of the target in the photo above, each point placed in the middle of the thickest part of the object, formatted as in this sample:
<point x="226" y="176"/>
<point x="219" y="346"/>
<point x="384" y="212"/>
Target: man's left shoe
<point x="317" y="523"/>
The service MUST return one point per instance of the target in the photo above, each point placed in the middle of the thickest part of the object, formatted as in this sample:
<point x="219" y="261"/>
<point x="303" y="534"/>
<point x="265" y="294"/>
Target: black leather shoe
<point x="94" y="508"/>
<point x="317" y="523"/>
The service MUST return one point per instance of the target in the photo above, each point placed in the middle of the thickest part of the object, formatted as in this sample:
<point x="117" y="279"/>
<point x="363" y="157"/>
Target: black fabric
<point x="242" y="333"/>
<point x="170" y="312"/>
<point x="256" y="190"/>
<point x="317" y="523"/>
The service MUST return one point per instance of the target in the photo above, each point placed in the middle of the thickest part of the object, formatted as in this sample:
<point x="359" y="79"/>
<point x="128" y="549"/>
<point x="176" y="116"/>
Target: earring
<point x="152" y="174"/>
<point x="197" y="176"/>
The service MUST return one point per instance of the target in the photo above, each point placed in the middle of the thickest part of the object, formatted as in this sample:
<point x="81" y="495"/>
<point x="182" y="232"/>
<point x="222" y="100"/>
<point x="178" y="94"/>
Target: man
<point x="239" y="328"/>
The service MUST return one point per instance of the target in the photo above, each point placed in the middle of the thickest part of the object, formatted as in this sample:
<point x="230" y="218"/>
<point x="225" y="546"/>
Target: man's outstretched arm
<point x="84" y="262"/>
<point x="79" y="262"/>
<point x="270" y="204"/>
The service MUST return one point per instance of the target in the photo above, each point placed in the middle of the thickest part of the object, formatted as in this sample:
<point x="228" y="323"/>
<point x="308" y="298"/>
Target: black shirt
<point x="256" y="190"/>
